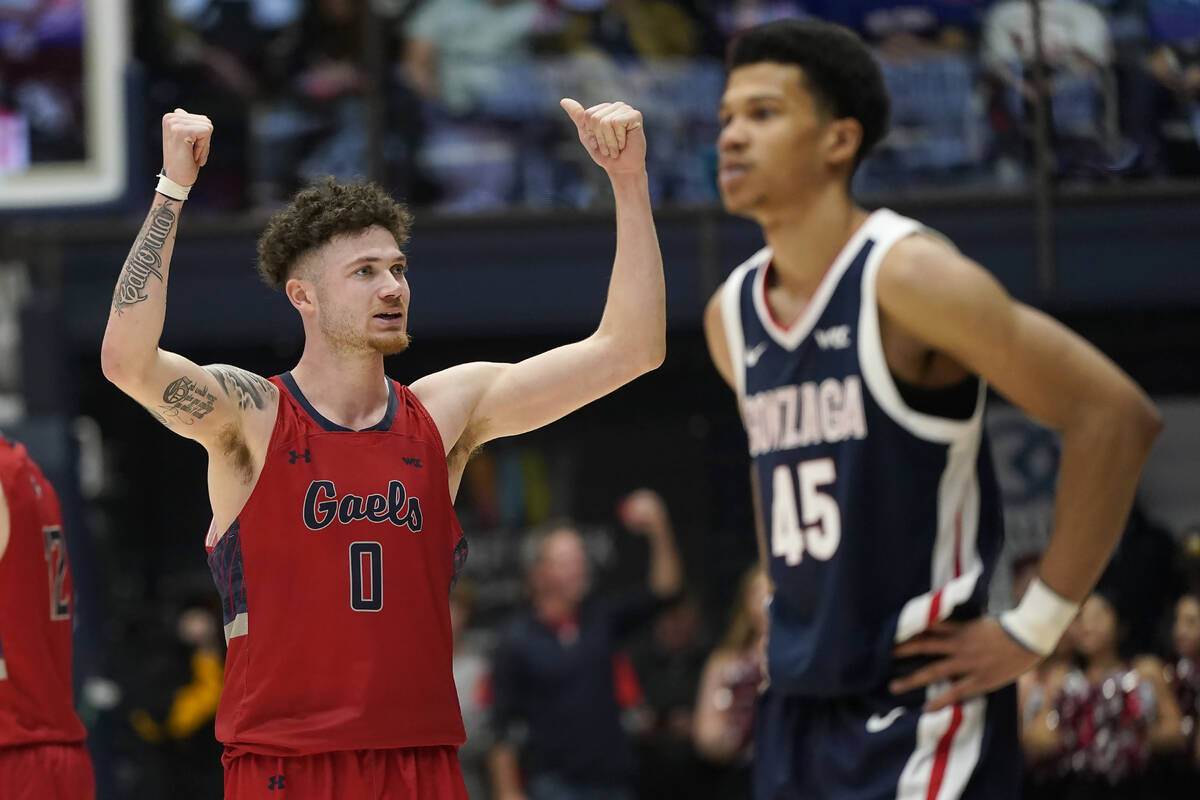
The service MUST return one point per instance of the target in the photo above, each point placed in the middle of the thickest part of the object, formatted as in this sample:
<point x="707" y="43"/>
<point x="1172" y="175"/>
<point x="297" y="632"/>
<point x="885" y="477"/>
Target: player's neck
<point x="807" y="236"/>
<point x="348" y="389"/>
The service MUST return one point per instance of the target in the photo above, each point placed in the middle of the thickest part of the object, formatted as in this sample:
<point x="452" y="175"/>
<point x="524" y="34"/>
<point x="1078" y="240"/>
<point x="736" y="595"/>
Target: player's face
<point x="362" y="293"/>
<point x="769" y="147"/>
<point x="1097" y="630"/>
<point x="1186" y="633"/>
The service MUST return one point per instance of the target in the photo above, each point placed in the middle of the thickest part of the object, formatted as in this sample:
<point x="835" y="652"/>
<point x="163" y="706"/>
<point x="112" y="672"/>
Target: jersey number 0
<point x="366" y="576"/>
<point x="817" y="526"/>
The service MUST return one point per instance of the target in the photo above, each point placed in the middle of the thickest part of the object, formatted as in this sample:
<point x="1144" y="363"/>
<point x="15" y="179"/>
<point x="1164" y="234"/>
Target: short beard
<point x="392" y="345"/>
<point x="340" y="339"/>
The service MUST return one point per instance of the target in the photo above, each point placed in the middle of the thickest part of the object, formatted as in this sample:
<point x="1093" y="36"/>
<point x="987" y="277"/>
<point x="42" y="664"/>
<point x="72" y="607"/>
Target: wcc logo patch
<point x="322" y="506"/>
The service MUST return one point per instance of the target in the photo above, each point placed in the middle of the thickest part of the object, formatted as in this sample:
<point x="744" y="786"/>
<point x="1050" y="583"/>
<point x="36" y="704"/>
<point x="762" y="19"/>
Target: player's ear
<point x="842" y="139"/>
<point x="301" y="293"/>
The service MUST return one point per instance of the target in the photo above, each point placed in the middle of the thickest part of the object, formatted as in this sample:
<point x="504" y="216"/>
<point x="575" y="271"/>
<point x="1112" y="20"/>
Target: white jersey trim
<point x="239" y="627"/>
<point x="954" y="549"/>
<point x="731" y="316"/>
<point x="3" y="670"/>
<point x="888" y="228"/>
<point x="790" y="338"/>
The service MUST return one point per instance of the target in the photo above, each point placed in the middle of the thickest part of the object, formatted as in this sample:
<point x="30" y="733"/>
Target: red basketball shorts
<point x="46" y="772"/>
<point x="407" y="773"/>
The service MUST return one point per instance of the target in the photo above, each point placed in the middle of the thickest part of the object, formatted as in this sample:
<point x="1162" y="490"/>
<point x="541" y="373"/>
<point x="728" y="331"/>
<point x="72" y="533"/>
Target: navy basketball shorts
<point x="883" y="747"/>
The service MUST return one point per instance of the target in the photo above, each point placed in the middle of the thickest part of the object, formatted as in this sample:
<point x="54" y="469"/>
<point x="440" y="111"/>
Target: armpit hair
<point x="232" y="443"/>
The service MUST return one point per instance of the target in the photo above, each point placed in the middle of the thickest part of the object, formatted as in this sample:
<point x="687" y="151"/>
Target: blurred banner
<point x="62" y="104"/>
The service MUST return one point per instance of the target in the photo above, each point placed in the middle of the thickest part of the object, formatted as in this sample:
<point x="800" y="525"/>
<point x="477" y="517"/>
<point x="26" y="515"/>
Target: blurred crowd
<point x="604" y="690"/>
<point x="453" y="103"/>
<point x="629" y="693"/>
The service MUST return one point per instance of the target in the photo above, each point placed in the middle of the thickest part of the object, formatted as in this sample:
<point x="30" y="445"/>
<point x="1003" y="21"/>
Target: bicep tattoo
<point x="244" y="388"/>
<point x="186" y="401"/>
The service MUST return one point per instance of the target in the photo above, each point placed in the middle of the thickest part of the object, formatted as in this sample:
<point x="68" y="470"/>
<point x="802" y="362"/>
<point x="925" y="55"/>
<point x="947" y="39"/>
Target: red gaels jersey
<point x="335" y="581"/>
<point x="36" y="703"/>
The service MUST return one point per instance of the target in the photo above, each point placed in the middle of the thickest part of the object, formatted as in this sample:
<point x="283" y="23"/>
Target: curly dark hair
<point x="319" y="213"/>
<point x="838" y="70"/>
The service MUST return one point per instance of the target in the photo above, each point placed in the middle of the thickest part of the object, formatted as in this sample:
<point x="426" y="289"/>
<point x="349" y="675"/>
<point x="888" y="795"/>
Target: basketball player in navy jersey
<point x="860" y="346"/>
<point x="334" y="541"/>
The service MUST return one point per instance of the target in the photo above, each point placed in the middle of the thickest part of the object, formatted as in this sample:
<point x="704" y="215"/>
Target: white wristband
<point x="1040" y="619"/>
<point x="170" y="188"/>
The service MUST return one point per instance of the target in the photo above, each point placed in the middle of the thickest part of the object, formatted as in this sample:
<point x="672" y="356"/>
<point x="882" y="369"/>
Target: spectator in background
<point x="938" y="132"/>
<point x="631" y="30"/>
<point x="180" y="732"/>
<point x="647" y="49"/>
<point x="1112" y="715"/>
<point x="1174" y="64"/>
<point x="219" y="55"/>
<point x="668" y="662"/>
<point x="1146" y="548"/>
<point x="1183" y="676"/>
<point x="469" y="63"/>
<point x="473" y="681"/>
<point x="314" y="125"/>
<point x="734" y="16"/>
<point x="1079" y="54"/>
<point x="729" y="690"/>
<point x="906" y="28"/>
<point x="555" y="715"/>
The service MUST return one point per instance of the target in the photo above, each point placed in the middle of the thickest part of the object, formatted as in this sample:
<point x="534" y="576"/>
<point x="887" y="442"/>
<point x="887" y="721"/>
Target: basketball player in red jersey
<point x="42" y="754"/>
<point x="334" y="541"/>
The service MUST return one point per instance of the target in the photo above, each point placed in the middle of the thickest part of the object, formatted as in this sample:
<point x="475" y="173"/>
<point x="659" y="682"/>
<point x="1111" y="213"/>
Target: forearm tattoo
<point x="145" y="260"/>
<point x="244" y="388"/>
<point x="186" y="401"/>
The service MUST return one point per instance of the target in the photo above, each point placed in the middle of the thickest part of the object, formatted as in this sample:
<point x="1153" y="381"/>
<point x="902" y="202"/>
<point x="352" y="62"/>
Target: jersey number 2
<point x="56" y="566"/>
<point x="817" y="527"/>
<point x="366" y="576"/>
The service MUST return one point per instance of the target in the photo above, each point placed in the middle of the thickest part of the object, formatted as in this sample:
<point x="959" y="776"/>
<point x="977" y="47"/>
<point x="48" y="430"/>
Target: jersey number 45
<point x="816" y="526"/>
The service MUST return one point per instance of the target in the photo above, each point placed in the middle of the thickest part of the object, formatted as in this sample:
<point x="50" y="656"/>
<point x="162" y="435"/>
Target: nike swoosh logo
<point x="752" y="356"/>
<point x="876" y="723"/>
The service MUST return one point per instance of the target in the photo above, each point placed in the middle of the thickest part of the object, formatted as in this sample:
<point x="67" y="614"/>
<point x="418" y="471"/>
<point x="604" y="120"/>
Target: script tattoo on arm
<point x="145" y="260"/>
<point x="244" y="388"/>
<point x="186" y="401"/>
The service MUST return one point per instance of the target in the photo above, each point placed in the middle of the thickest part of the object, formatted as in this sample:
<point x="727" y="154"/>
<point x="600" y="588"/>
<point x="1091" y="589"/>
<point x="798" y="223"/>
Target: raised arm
<point x="474" y="403"/>
<point x="645" y="513"/>
<point x="1106" y="422"/>
<point x="195" y="402"/>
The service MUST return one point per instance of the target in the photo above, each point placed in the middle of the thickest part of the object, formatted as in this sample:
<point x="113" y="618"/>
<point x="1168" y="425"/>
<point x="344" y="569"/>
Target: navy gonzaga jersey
<point x="880" y="520"/>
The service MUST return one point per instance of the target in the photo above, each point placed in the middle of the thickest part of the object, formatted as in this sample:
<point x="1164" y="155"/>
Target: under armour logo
<point x="412" y="462"/>
<point x="277" y="782"/>
<point x="293" y="456"/>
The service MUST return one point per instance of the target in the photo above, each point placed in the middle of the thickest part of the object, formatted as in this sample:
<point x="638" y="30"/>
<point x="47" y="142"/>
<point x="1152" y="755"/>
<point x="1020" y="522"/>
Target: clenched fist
<point x="186" y="139"/>
<point x="611" y="133"/>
